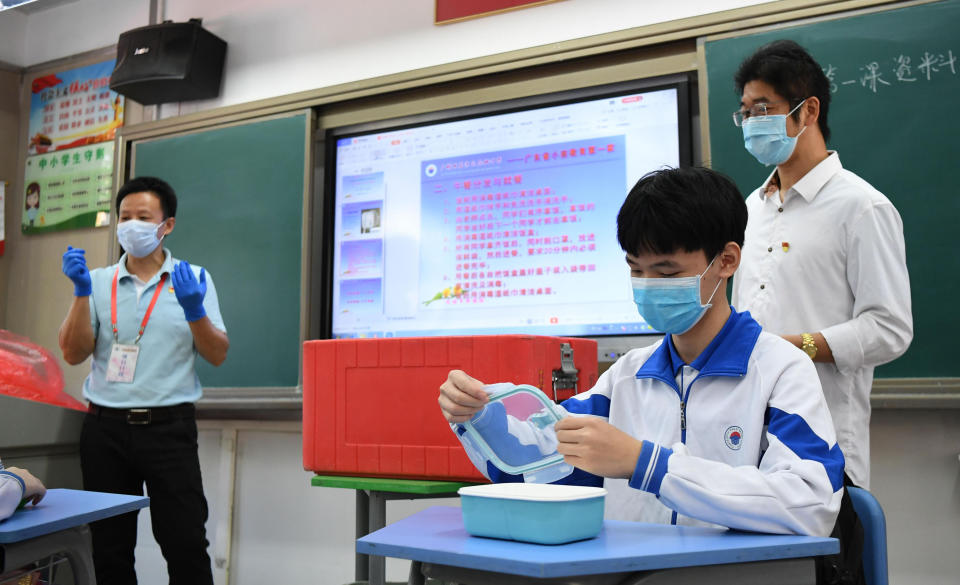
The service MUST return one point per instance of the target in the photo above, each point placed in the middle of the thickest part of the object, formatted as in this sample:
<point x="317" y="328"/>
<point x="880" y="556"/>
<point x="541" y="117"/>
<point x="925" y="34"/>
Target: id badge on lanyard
<point x="122" y="366"/>
<point x="123" y="362"/>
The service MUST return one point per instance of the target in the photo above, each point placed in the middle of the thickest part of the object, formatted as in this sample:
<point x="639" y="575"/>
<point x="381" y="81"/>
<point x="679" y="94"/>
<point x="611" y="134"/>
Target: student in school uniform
<point x="17" y="485"/>
<point x="145" y="320"/>
<point x="824" y="263"/>
<point x="719" y="423"/>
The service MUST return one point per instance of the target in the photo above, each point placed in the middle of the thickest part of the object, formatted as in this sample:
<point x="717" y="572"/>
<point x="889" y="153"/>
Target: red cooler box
<point x="370" y="405"/>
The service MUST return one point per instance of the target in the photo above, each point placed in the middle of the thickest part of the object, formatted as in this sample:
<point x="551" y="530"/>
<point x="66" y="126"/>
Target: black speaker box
<point x="168" y="62"/>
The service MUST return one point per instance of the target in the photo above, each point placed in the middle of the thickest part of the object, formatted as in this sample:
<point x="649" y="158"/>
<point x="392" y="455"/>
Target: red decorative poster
<point x="73" y="108"/>
<point x="455" y="10"/>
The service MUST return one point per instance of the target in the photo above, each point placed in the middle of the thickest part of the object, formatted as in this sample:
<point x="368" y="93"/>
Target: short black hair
<point x="159" y="187"/>
<point x="688" y="209"/>
<point x="792" y="72"/>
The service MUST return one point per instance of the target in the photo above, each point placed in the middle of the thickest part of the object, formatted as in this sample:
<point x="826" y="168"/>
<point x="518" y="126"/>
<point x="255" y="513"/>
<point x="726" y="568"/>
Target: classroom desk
<point x="624" y="552"/>
<point x="58" y="525"/>
<point x="371" y="512"/>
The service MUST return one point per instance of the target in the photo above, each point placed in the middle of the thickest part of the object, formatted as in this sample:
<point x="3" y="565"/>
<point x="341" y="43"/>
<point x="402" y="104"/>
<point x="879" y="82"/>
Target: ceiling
<point x="31" y="6"/>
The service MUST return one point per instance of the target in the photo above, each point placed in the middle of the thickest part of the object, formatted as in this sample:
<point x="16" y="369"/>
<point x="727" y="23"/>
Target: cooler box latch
<point x="565" y="379"/>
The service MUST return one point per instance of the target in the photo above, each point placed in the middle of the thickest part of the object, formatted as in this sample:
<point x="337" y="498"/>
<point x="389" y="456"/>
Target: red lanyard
<point x="146" y="316"/>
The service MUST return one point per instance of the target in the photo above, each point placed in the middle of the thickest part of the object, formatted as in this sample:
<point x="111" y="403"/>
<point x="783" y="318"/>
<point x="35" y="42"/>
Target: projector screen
<point x="495" y="219"/>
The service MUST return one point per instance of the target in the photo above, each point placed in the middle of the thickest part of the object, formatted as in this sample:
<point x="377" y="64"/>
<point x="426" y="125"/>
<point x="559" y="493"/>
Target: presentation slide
<point x="519" y="227"/>
<point x="360" y="295"/>
<point x="501" y="223"/>
<point x="361" y="258"/>
<point x="362" y="187"/>
<point x="361" y="219"/>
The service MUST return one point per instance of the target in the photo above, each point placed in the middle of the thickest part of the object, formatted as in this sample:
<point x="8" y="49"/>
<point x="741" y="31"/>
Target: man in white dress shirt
<point x="823" y="261"/>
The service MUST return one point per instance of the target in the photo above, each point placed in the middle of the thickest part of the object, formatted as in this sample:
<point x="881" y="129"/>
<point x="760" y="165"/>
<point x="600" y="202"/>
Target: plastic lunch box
<point x="531" y="512"/>
<point x="529" y="407"/>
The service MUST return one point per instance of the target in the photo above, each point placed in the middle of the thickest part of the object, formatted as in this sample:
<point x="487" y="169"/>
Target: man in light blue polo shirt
<point x="144" y="320"/>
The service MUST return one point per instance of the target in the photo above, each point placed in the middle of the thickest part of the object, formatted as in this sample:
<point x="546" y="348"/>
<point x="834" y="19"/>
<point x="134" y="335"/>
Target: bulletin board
<point x="68" y="173"/>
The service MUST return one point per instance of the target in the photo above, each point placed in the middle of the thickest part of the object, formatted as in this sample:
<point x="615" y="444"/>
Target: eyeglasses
<point x="758" y="109"/>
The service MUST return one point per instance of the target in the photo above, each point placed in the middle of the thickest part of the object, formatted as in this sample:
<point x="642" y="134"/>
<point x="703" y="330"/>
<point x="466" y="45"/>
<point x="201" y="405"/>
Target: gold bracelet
<point x="809" y="346"/>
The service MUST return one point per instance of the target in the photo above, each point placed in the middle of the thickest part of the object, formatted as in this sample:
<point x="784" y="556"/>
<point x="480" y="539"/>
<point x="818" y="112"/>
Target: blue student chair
<point x="874" y="535"/>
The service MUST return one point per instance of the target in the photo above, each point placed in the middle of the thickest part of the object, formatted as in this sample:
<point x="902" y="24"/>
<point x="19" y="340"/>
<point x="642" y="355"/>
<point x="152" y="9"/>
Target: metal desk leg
<point x="416" y="574"/>
<point x="361" y="567"/>
<point x="74" y="543"/>
<point x="372" y="516"/>
<point x="377" y="520"/>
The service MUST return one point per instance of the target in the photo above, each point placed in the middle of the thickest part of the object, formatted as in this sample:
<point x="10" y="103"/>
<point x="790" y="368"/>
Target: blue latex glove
<point x="74" y="265"/>
<point x="189" y="290"/>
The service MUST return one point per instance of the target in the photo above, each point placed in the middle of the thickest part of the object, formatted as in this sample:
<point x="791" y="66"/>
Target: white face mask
<point x="139" y="238"/>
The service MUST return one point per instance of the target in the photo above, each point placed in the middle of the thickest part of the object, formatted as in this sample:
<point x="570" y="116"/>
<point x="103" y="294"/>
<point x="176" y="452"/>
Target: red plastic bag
<point x="29" y="371"/>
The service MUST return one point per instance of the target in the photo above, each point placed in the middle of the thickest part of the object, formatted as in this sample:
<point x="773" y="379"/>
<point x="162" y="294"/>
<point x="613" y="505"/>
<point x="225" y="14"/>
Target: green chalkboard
<point x="895" y="122"/>
<point x="240" y="193"/>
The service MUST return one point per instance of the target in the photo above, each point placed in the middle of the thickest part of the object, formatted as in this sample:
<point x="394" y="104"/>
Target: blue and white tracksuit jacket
<point x="11" y="492"/>
<point x="741" y="437"/>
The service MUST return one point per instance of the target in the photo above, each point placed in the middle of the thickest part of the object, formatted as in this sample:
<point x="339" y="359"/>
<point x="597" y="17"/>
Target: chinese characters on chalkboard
<point x="874" y="75"/>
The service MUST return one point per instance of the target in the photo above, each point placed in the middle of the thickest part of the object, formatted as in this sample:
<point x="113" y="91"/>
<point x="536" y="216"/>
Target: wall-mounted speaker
<point x="169" y="62"/>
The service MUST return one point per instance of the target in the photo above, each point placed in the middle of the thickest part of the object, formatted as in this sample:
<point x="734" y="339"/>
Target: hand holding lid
<point x="515" y="432"/>
<point x="461" y="397"/>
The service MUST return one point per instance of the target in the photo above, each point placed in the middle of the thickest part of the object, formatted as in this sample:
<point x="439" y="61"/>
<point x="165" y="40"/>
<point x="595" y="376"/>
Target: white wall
<point x="295" y="45"/>
<point x="68" y="29"/>
<point x="285" y="46"/>
<point x="13" y="37"/>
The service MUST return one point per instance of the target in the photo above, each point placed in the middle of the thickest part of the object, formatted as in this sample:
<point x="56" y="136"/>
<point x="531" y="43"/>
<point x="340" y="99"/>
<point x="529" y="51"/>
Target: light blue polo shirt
<point x="165" y="373"/>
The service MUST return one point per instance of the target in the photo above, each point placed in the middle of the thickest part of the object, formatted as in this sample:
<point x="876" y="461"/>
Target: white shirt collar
<point x="811" y="183"/>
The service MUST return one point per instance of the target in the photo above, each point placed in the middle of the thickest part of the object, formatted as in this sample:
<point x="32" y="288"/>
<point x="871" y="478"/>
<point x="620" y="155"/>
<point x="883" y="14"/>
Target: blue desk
<point x="58" y="525"/>
<point x="641" y="553"/>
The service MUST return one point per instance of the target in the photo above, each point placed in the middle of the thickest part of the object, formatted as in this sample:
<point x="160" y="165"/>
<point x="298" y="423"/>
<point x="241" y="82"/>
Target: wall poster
<point x="68" y="179"/>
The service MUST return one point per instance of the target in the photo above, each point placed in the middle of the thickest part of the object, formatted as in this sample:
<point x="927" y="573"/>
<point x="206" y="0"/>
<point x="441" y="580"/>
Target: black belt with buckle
<point x="144" y="416"/>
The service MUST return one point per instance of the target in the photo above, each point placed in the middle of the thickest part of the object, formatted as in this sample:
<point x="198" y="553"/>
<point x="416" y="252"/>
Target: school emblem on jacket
<point x="733" y="437"/>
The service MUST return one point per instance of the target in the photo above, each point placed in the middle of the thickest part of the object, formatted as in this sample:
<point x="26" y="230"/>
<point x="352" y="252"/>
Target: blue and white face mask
<point x="671" y="305"/>
<point x="765" y="137"/>
<point x="139" y="238"/>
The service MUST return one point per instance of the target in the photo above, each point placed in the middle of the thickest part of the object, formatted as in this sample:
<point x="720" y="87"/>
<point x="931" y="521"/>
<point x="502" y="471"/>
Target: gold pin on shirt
<point x="785" y="246"/>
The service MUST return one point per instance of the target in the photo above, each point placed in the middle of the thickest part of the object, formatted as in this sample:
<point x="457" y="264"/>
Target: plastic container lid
<point x="539" y="492"/>
<point x="514" y="431"/>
